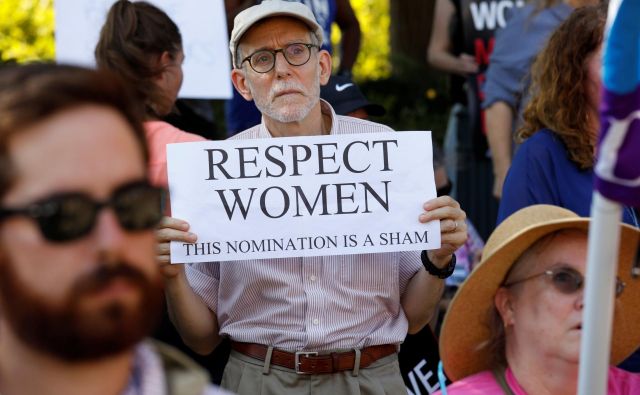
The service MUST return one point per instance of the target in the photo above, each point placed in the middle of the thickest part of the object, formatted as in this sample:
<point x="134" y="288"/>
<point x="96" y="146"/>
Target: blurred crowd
<point x="89" y="299"/>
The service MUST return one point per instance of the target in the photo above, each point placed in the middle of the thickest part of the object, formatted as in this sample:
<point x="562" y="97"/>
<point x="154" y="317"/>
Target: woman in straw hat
<point x="514" y="326"/>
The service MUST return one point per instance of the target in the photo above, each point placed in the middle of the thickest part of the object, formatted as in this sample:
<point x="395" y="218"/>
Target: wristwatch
<point x="432" y="269"/>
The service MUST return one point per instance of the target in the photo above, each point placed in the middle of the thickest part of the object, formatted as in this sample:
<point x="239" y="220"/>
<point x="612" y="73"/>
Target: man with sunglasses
<point x="328" y="324"/>
<point x="79" y="285"/>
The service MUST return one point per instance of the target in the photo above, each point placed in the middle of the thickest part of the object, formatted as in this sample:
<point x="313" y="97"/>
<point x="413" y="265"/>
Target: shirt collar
<point x="147" y="374"/>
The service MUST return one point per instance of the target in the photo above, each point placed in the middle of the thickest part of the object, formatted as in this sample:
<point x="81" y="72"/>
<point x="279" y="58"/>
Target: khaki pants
<point x="246" y="376"/>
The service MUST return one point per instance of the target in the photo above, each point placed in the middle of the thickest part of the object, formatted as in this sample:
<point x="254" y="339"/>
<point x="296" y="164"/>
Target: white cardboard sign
<point x="203" y="26"/>
<point x="302" y="196"/>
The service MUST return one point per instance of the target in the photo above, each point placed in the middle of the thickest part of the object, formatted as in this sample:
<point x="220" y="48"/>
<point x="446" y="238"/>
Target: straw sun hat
<point x="464" y="329"/>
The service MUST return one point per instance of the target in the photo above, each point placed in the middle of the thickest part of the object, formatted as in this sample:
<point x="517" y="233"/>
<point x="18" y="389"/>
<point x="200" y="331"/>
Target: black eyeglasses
<point x="69" y="216"/>
<point x="264" y="60"/>
<point x="565" y="280"/>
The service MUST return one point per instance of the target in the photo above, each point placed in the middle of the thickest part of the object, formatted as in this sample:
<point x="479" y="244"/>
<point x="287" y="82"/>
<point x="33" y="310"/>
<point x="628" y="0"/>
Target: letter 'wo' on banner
<point x="302" y="196"/>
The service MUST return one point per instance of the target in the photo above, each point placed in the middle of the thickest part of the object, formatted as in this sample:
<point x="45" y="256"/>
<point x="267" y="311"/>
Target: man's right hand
<point x="171" y="229"/>
<point x="194" y="320"/>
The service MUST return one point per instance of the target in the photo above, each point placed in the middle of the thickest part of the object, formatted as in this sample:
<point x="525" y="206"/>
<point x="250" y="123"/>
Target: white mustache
<point x="285" y="86"/>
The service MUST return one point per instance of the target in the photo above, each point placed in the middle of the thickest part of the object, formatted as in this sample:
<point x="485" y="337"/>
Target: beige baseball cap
<point x="268" y="9"/>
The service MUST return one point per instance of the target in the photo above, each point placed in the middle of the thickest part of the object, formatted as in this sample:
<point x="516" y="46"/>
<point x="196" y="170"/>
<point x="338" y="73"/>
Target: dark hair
<point x="558" y="93"/>
<point x="30" y="94"/>
<point x="132" y="39"/>
<point x="542" y="4"/>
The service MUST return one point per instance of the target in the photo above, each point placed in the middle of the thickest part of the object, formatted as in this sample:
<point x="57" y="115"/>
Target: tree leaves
<point x="26" y="30"/>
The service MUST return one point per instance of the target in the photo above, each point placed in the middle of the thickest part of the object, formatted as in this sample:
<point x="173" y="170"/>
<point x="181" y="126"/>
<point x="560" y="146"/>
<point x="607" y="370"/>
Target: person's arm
<point x="350" y="29"/>
<point x="196" y="323"/>
<point x="499" y="123"/>
<point x="439" y="50"/>
<point x="423" y="292"/>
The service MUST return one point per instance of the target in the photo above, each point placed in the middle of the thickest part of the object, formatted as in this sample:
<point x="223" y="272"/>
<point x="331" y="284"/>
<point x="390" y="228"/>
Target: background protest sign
<point x="302" y="196"/>
<point x="205" y="42"/>
<point x="418" y="359"/>
<point x="480" y="20"/>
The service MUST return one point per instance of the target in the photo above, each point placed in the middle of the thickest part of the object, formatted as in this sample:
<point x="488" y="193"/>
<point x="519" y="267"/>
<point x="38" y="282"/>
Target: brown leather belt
<point x="305" y="362"/>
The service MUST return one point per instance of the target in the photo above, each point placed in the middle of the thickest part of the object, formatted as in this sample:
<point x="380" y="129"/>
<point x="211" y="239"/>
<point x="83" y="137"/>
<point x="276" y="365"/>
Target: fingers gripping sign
<point x="453" y="228"/>
<point x="171" y="229"/>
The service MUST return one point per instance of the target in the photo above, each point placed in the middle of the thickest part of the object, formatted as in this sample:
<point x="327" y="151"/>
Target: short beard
<point x="287" y="113"/>
<point x="70" y="334"/>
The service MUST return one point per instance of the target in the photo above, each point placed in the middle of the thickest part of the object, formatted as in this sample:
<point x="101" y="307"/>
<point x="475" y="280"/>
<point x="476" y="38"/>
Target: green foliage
<point x="414" y="96"/>
<point x="410" y="105"/>
<point x="26" y="30"/>
<point x="415" y="100"/>
<point x="373" y="58"/>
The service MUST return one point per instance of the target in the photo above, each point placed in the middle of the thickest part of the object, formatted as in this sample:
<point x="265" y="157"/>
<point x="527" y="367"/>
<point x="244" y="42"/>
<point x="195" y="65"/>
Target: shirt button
<point x="316" y="321"/>
<point x="313" y="278"/>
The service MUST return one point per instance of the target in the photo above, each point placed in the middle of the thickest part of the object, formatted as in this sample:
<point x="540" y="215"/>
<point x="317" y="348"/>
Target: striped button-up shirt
<point x="313" y="303"/>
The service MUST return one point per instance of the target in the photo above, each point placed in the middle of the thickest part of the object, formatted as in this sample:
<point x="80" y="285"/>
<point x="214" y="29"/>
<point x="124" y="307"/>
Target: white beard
<point x="288" y="108"/>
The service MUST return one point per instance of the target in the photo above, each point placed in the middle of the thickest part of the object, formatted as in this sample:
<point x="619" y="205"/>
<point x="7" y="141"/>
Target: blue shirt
<point x="516" y="46"/>
<point x="541" y="173"/>
<point x="325" y="13"/>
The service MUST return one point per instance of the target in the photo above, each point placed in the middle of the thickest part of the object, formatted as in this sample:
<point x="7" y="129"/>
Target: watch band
<point x="432" y="269"/>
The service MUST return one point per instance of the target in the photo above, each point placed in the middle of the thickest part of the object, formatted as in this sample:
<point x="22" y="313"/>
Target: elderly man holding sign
<point x="314" y="324"/>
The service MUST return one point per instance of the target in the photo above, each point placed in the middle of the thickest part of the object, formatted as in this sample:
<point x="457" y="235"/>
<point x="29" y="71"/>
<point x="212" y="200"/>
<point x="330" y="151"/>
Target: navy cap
<point x="345" y="97"/>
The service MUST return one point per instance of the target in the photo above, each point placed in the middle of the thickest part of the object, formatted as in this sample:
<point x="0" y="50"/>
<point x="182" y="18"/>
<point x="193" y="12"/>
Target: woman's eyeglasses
<point x="565" y="280"/>
<point x="264" y="60"/>
<point x="70" y="216"/>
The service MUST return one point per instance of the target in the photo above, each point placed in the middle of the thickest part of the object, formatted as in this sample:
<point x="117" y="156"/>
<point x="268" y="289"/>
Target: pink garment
<point x="483" y="383"/>
<point x="159" y="134"/>
<point x="621" y="382"/>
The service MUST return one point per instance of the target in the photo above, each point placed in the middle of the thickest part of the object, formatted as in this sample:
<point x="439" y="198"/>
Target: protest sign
<point x="302" y="196"/>
<point x="203" y="26"/>
<point x="480" y="19"/>
<point x="418" y="360"/>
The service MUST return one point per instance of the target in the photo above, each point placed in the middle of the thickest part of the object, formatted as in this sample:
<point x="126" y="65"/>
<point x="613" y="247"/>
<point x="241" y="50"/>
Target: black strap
<point x="499" y="374"/>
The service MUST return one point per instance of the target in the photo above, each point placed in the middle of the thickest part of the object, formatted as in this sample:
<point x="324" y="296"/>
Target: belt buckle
<point x="297" y="362"/>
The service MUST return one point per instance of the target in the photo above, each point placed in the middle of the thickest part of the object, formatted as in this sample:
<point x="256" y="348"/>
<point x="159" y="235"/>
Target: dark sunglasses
<point x="565" y="280"/>
<point x="69" y="216"/>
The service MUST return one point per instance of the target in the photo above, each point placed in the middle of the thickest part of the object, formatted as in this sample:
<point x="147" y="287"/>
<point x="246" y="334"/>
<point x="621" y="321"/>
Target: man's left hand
<point x="453" y="228"/>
